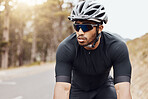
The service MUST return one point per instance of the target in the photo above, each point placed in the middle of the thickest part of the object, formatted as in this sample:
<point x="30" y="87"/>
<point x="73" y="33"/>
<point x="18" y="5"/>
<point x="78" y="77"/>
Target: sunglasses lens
<point x="76" y="27"/>
<point x="84" y="27"/>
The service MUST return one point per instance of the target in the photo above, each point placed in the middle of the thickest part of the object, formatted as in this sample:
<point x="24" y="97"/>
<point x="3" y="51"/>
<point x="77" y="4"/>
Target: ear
<point x="100" y="28"/>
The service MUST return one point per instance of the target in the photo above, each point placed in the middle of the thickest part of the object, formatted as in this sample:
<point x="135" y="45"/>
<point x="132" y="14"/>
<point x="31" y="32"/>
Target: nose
<point x="80" y="32"/>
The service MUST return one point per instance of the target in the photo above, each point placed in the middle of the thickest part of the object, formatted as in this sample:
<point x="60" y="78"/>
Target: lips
<point x="81" y="39"/>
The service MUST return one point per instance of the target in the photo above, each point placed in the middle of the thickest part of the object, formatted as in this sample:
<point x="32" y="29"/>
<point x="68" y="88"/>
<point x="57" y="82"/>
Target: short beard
<point x="92" y="41"/>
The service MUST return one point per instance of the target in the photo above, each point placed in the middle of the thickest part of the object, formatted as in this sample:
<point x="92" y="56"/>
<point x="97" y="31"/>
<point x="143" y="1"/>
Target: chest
<point x="90" y="62"/>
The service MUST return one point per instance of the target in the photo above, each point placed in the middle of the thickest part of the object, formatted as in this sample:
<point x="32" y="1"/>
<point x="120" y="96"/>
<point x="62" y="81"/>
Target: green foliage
<point x="33" y="64"/>
<point x="4" y="43"/>
<point x="48" y="21"/>
<point x="1" y="24"/>
<point x="50" y="25"/>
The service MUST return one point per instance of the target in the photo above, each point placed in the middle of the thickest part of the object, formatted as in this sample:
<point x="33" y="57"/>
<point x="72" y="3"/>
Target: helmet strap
<point x="95" y="40"/>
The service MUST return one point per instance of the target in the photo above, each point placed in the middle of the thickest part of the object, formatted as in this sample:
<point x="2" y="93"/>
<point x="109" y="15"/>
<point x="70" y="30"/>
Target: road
<point x="35" y="82"/>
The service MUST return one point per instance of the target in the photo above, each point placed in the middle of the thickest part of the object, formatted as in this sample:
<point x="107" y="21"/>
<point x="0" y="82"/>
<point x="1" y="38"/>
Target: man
<point x="84" y="59"/>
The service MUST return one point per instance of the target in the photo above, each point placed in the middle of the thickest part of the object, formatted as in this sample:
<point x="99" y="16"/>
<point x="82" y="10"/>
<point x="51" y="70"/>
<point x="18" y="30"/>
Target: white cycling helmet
<point x="89" y="10"/>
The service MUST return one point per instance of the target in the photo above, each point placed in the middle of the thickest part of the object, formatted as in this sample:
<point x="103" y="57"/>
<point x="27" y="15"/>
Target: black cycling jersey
<point x="106" y="91"/>
<point x="89" y="69"/>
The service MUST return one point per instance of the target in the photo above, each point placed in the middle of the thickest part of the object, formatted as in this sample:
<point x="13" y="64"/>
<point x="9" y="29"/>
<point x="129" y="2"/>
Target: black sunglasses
<point x="84" y="27"/>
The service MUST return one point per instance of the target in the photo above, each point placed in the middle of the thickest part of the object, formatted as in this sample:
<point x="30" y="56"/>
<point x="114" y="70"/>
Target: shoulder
<point x="67" y="46"/>
<point x="69" y="41"/>
<point x="115" y="46"/>
<point x="110" y="38"/>
<point x="112" y="41"/>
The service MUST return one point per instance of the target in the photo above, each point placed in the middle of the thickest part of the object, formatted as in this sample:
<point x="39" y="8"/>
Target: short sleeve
<point x="63" y="63"/>
<point x="121" y="63"/>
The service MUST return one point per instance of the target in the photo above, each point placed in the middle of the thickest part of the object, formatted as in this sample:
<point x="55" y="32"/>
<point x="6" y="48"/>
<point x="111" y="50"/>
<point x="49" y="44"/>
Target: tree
<point x="5" y="47"/>
<point x="34" y="41"/>
<point x="20" y="15"/>
<point x="51" y="27"/>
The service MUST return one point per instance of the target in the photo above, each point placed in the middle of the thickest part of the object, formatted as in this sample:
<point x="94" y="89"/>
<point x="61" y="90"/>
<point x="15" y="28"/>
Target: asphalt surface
<point x="31" y="83"/>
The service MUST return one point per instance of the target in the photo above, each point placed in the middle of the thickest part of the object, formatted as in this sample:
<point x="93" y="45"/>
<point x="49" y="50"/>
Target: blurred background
<point x="31" y="30"/>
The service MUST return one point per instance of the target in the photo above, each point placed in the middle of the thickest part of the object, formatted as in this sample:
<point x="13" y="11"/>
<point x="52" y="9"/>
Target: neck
<point x="96" y="45"/>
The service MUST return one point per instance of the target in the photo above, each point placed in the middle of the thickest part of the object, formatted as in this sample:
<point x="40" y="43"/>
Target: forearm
<point x="123" y="92"/>
<point x="61" y="94"/>
<point x="61" y="91"/>
<point x="121" y="95"/>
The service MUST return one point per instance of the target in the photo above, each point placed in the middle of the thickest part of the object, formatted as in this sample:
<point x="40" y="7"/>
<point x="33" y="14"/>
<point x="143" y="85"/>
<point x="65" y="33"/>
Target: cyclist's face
<point x="85" y="38"/>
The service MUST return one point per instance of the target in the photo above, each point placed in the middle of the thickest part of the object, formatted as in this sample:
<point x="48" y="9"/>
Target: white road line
<point x="19" y="97"/>
<point x="7" y="83"/>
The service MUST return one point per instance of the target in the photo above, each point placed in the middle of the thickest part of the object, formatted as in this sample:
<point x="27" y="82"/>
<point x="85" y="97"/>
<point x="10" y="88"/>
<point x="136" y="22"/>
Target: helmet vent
<point x="97" y="7"/>
<point x="103" y="8"/>
<point x="100" y="15"/>
<point x="90" y="12"/>
<point x="77" y="6"/>
<point x="81" y="7"/>
<point x="73" y="13"/>
<point x="89" y="6"/>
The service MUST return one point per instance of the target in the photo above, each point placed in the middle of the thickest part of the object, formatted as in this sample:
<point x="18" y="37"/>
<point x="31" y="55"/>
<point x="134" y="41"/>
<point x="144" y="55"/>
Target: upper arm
<point x="121" y="63"/>
<point x="64" y="58"/>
